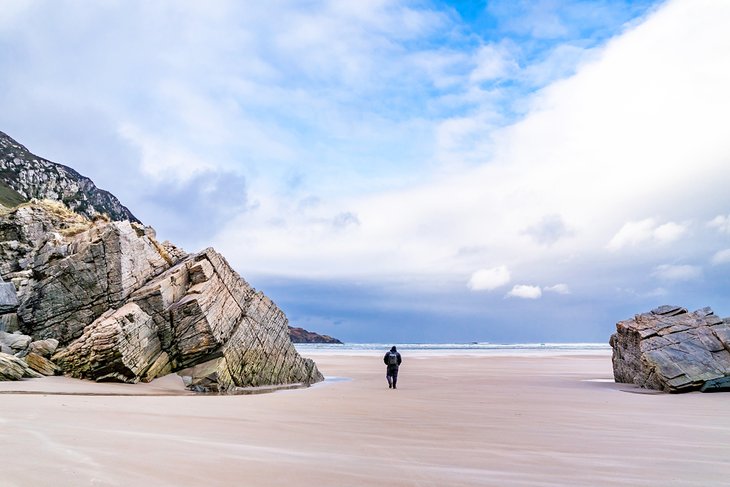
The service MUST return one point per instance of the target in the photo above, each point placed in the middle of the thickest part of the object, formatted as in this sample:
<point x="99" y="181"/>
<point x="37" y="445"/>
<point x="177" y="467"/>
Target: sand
<point x="545" y="420"/>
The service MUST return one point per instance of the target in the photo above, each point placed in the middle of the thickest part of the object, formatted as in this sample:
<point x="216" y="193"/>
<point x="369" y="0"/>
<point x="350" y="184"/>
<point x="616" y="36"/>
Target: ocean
<point x="493" y="349"/>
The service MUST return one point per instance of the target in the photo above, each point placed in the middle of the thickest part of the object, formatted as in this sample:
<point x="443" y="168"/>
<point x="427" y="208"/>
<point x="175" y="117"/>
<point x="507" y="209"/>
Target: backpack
<point x="392" y="358"/>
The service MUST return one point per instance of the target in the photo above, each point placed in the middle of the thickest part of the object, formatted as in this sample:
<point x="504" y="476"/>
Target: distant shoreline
<point x="440" y="349"/>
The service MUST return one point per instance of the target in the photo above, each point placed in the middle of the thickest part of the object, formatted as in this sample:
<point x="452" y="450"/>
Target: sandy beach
<point x="464" y="420"/>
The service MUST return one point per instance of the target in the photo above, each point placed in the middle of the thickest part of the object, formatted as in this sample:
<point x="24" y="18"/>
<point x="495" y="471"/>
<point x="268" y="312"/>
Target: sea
<point x="474" y="348"/>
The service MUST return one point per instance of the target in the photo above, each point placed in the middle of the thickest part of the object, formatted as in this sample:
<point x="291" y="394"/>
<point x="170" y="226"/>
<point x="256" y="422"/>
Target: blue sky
<point x="403" y="170"/>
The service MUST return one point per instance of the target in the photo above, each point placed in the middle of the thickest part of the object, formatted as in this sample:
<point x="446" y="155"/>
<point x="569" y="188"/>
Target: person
<point x="393" y="360"/>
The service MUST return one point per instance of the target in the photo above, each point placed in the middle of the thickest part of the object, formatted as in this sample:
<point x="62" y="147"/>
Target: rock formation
<point x="25" y="176"/>
<point x="300" y="335"/>
<point x="14" y="368"/>
<point x="673" y="350"/>
<point x="121" y="306"/>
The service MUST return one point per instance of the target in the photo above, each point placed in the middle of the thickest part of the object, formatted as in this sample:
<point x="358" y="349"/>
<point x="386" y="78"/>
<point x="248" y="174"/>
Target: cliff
<point x="24" y="176"/>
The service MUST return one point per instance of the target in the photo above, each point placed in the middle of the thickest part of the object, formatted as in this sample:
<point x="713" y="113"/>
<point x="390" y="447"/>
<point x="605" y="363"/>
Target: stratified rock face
<point x="671" y="349"/>
<point x="68" y="270"/>
<point x="34" y="177"/>
<point x="126" y="308"/>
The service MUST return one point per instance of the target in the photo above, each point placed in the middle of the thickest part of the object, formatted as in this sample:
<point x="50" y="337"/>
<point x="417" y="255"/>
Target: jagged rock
<point x="14" y="368"/>
<point x="75" y="275"/>
<point x="198" y="312"/>
<point x="671" y="349"/>
<point x="124" y="307"/>
<point x="30" y="176"/>
<point x="41" y="364"/>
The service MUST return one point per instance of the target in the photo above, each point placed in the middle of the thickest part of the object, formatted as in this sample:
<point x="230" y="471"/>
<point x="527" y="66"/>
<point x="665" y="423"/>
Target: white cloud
<point x="330" y="91"/>
<point x="164" y="160"/>
<point x="669" y="232"/>
<point x="525" y="291"/>
<point x="634" y="233"/>
<point x="557" y="288"/>
<point x="489" y="279"/>
<point x="721" y="223"/>
<point x="671" y="272"/>
<point x="721" y="257"/>
<point x="492" y="62"/>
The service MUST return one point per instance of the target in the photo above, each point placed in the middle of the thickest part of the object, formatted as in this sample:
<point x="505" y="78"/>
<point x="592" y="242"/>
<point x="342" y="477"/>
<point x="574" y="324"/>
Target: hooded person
<point x="393" y="360"/>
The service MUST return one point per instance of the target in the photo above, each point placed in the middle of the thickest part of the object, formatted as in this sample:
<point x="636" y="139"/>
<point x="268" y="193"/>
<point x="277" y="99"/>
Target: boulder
<point x="15" y="341"/>
<point x="41" y="364"/>
<point x="198" y="313"/>
<point x="44" y="348"/>
<point x="671" y="349"/>
<point x="14" y="368"/>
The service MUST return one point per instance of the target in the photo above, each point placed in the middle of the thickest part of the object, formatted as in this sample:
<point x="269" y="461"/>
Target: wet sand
<point x="547" y="420"/>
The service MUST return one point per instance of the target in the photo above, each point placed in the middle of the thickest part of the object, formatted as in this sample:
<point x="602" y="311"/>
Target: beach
<point x="460" y="419"/>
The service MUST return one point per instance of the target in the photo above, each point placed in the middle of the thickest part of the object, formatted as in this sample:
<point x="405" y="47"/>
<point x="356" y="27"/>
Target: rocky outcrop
<point x="300" y="335"/>
<point x="24" y="175"/>
<point x="124" y="307"/>
<point x="14" y="368"/>
<point x="673" y="350"/>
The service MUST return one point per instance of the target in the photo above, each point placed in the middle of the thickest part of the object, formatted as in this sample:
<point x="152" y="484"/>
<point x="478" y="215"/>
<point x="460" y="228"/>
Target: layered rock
<point x="25" y="176"/>
<point x="671" y="349"/>
<point x="124" y="307"/>
<point x="14" y="368"/>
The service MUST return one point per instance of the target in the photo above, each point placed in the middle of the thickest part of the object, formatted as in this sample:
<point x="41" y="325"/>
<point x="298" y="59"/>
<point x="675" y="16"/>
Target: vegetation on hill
<point x="9" y="198"/>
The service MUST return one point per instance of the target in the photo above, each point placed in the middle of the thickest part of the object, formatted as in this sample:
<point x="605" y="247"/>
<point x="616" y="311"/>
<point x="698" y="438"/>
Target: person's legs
<point x="390" y="381"/>
<point x="395" y="379"/>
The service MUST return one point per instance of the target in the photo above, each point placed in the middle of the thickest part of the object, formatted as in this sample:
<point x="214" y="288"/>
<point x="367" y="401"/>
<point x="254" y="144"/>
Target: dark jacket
<point x="392" y="369"/>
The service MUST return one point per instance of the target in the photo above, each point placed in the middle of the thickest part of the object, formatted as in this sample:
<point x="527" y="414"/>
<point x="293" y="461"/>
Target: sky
<point x="403" y="170"/>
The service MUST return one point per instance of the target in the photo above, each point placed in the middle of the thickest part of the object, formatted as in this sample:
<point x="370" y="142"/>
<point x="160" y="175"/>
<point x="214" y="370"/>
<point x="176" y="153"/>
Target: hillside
<point x="24" y="175"/>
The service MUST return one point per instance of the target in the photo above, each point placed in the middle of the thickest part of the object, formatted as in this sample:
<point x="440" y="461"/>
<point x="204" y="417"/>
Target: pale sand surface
<point x="454" y="421"/>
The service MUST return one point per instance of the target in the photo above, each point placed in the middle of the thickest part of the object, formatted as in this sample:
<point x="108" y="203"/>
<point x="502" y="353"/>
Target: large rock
<point x="124" y="307"/>
<point x="14" y="341"/>
<point x="198" y="312"/>
<point x="41" y="364"/>
<point x="14" y="368"/>
<point x="70" y="270"/>
<point x="44" y="348"/>
<point x="671" y="349"/>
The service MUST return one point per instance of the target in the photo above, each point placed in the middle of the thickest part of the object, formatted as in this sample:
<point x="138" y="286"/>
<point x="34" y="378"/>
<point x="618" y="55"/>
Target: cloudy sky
<point x="403" y="170"/>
